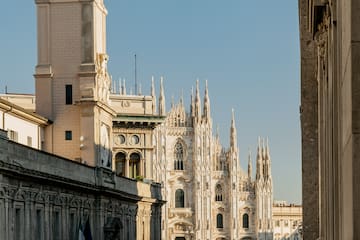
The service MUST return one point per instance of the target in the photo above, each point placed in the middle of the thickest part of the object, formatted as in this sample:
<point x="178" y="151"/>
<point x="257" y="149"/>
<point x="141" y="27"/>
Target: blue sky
<point x="247" y="50"/>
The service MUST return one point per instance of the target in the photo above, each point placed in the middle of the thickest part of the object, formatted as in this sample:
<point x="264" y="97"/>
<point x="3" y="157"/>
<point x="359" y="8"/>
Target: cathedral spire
<point x="140" y="90"/>
<point x="120" y="88"/>
<point x="153" y="95"/>
<point x="192" y="104"/>
<point x="259" y="161"/>
<point x="263" y="148"/>
<point x="233" y="132"/>
<point x="268" y="161"/>
<point x="182" y="98"/>
<point x="264" y="158"/>
<point x="249" y="166"/>
<point x="124" y="87"/>
<point x="197" y="101"/>
<point x="206" y="103"/>
<point x="162" y="111"/>
<point x="172" y="101"/>
<point x="113" y="86"/>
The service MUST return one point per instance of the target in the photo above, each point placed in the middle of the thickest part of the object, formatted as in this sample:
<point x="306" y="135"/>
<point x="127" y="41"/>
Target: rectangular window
<point x="68" y="135"/>
<point x="68" y="96"/>
<point x="13" y="135"/>
<point x="29" y="141"/>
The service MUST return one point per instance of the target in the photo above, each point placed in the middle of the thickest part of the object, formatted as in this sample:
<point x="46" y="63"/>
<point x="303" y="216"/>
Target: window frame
<point x="219" y="221"/>
<point x="68" y="135"/>
<point x="218" y="193"/>
<point x="179" y="198"/>
<point x="245" y="221"/>
<point x="120" y="157"/>
<point x="179" y="156"/>
<point x="68" y="94"/>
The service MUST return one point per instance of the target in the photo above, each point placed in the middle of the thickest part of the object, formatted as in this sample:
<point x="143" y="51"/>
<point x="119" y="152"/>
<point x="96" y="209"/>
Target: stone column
<point x="48" y="213"/>
<point x="7" y="218"/>
<point x="27" y="221"/>
<point x="142" y="167"/>
<point x="127" y="162"/>
<point x="99" y="214"/>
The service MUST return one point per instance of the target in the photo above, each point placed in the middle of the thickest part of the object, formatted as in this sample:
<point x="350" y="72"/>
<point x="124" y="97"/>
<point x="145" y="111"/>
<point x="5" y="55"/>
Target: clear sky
<point x="247" y="50"/>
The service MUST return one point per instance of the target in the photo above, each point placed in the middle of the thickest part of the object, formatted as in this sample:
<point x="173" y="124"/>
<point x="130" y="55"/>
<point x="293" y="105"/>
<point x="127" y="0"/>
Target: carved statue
<point x="102" y="77"/>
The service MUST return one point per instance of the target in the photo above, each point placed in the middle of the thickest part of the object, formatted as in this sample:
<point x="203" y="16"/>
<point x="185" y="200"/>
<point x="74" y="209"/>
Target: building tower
<point x="72" y="81"/>
<point x="234" y="178"/>
<point x="202" y="137"/>
<point x="264" y="192"/>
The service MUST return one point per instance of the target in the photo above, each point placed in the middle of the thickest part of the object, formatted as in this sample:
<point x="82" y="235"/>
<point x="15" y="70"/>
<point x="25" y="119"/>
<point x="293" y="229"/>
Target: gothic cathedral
<point x="208" y="195"/>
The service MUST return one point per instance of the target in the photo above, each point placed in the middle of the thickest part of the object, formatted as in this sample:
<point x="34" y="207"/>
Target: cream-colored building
<point x="22" y="126"/>
<point x="287" y="221"/>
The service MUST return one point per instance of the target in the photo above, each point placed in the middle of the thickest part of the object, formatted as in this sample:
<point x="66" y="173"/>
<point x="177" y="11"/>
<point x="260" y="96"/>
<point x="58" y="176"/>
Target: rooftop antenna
<point x="136" y="89"/>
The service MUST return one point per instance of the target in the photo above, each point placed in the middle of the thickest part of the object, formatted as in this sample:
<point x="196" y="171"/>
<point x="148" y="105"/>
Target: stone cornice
<point x="22" y="162"/>
<point x="11" y="108"/>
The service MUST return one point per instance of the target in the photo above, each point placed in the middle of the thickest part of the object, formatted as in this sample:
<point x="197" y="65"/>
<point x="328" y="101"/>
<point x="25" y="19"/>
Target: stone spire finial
<point x="197" y="101"/>
<point x="120" y="88"/>
<point x="152" y="87"/>
<point x="140" y="90"/>
<point x="172" y="101"/>
<point x="249" y="166"/>
<point x="267" y="150"/>
<point x="268" y="161"/>
<point x="192" y="104"/>
<point x="259" y="161"/>
<point x="182" y="97"/>
<point x="113" y="87"/>
<point x="124" y="87"/>
<point x="263" y="148"/>
<point x="233" y="132"/>
<point x="162" y="110"/>
<point x="153" y="95"/>
<point x="206" y="103"/>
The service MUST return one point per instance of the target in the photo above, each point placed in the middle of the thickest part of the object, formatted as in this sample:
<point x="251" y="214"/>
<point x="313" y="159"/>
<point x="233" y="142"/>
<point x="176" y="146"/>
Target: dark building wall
<point x="330" y="60"/>
<point x="46" y="197"/>
<point x="309" y="128"/>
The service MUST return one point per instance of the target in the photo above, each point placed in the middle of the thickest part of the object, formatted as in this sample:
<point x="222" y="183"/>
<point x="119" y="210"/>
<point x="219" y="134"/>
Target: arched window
<point x="134" y="165"/>
<point x="219" y="221"/>
<point x="179" y="199"/>
<point x="218" y="193"/>
<point x="245" y="220"/>
<point x="179" y="156"/>
<point x="120" y="164"/>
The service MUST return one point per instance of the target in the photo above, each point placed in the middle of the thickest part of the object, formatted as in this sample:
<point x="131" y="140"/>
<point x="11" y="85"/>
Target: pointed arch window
<point x="179" y="198"/>
<point x="218" y="193"/>
<point x="219" y="221"/>
<point x="245" y="220"/>
<point x="179" y="156"/>
<point x="120" y="163"/>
